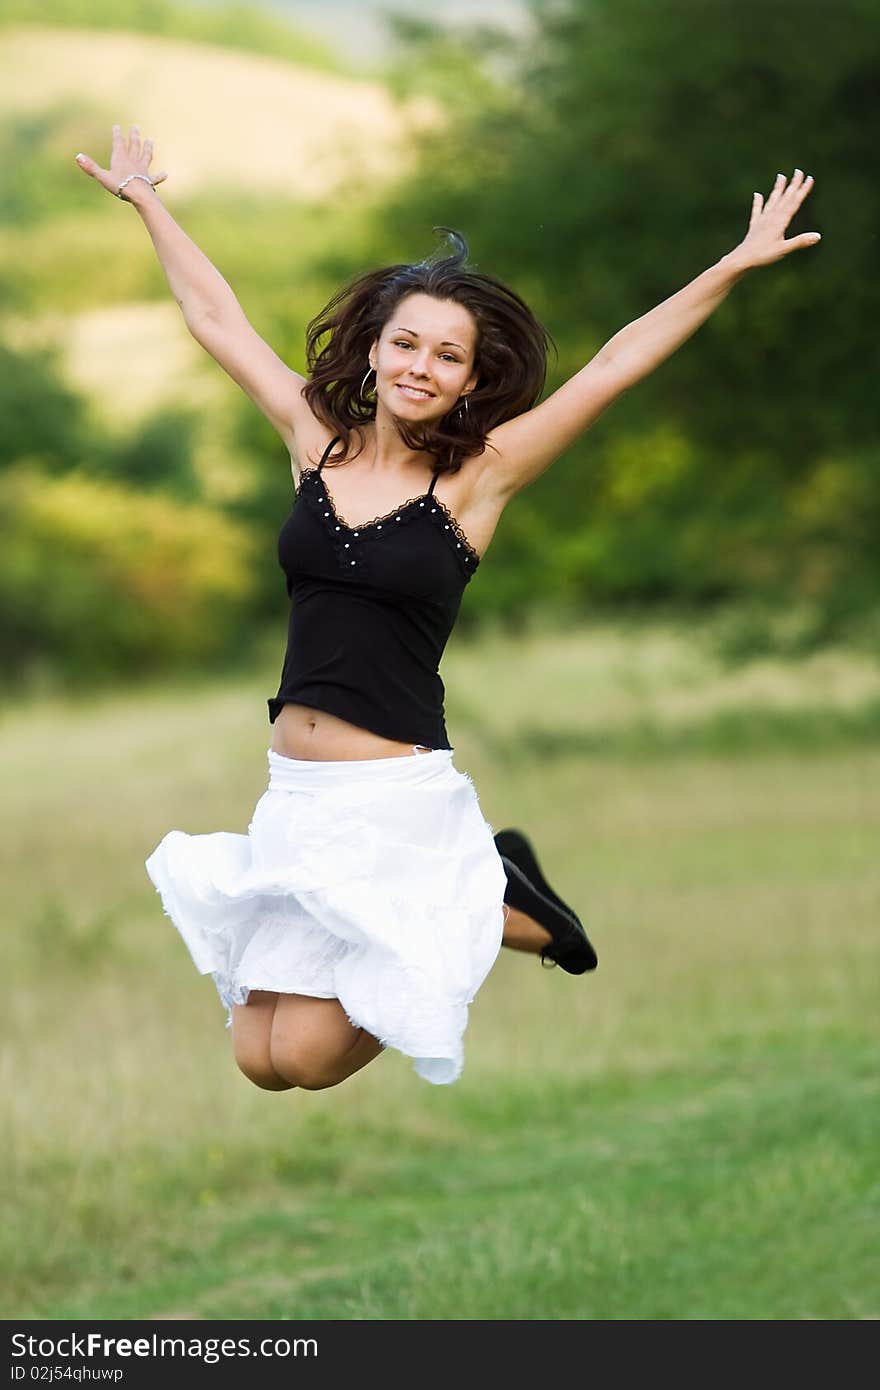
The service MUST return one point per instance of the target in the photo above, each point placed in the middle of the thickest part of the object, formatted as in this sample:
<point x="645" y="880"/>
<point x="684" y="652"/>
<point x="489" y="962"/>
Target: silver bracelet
<point x="128" y="179"/>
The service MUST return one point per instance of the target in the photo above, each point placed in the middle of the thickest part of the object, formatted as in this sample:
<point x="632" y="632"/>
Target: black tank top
<point x="371" y="610"/>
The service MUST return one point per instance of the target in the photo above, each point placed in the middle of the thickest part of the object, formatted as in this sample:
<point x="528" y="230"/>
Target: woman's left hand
<point x="765" y="241"/>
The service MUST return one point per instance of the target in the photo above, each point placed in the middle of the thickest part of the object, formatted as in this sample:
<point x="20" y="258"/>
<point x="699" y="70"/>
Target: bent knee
<point x="306" y="1074"/>
<point x="263" y="1074"/>
<point x="306" y="1067"/>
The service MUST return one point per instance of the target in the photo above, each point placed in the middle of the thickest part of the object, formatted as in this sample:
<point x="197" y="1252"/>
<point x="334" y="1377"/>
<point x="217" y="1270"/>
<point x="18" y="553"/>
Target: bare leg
<point x="523" y="933"/>
<point x="251" y="1037"/>
<point x="313" y="1044"/>
<point x="282" y="1041"/>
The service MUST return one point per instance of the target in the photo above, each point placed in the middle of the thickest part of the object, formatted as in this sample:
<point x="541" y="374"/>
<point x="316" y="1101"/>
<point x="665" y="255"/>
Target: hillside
<point x="227" y="124"/>
<point x="219" y="118"/>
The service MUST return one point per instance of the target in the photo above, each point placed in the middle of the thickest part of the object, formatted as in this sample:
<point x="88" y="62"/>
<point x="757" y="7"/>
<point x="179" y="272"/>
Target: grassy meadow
<point x="691" y="1132"/>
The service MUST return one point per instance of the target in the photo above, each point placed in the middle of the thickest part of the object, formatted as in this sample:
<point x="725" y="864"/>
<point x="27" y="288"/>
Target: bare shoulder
<point x="306" y="442"/>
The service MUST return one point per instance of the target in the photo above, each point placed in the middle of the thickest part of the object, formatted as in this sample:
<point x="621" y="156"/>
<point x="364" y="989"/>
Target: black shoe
<point x="528" y="891"/>
<point x="513" y="844"/>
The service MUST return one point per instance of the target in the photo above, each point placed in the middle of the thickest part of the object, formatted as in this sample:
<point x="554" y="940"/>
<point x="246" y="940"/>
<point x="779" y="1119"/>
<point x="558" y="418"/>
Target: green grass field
<point x="692" y="1132"/>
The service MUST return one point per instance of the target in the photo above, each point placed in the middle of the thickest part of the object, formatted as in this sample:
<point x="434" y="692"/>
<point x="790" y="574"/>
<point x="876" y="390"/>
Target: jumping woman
<point x="368" y="900"/>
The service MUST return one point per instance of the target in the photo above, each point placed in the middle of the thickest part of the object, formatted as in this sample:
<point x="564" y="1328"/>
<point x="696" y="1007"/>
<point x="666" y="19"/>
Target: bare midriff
<point x="302" y="732"/>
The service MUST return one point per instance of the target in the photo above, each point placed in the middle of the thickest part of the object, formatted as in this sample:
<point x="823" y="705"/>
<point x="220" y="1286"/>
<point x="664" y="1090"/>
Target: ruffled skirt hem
<point x="374" y="882"/>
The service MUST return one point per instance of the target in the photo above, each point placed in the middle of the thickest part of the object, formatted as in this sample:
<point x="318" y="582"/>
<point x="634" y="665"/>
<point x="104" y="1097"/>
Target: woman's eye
<point x="446" y="356"/>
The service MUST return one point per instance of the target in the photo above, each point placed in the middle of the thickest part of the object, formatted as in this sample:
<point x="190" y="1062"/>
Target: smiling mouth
<point x="415" y="392"/>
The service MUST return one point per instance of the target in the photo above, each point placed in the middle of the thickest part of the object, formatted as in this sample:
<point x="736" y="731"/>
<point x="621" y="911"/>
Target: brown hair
<point x="511" y="353"/>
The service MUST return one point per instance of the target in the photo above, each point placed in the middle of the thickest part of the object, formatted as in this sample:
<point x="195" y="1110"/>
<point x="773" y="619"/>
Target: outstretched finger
<point x="779" y="192"/>
<point x="800" y="243"/>
<point x="776" y="191"/>
<point x="757" y="205"/>
<point x="87" y="164"/>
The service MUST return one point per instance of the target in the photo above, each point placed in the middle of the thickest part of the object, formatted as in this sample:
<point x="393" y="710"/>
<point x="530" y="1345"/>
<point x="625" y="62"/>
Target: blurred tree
<point x="98" y="581"/>
<point x="41" y="415"/>
<point x="158" y="455"/>
<point x="47" y="419"/>
<point x="600" y="165"/>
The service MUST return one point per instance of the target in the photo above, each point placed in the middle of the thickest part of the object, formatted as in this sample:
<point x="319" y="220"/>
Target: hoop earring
<point x="463" y="408"/>
<point x="364" y="382"/>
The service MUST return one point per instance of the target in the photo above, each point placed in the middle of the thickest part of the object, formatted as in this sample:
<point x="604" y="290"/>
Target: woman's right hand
<point x="126" y="157"/>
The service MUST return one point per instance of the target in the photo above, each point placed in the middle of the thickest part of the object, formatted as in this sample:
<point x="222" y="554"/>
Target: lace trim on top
<point x="378" y="521"/>
<point x="362" y="525"/>
<point x="460" y="535"/>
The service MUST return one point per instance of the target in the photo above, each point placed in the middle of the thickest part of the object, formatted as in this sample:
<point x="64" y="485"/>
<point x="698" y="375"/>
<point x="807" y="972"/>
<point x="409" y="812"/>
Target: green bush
<point x="41" y="415"/>
<point x="157" y="456"/>
<point x="98" y="580"/>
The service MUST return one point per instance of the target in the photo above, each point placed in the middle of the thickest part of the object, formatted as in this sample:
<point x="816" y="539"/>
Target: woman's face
<point x="424" y="358"/>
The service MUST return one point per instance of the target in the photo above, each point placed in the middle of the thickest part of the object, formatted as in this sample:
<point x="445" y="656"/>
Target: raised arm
<point x="528" y="444"/>
<point x="210" y="309"/>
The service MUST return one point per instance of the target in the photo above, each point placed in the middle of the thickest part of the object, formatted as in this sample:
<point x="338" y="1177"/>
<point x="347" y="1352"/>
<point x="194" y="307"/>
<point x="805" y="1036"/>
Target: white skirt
<point x="373" y="881"/>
